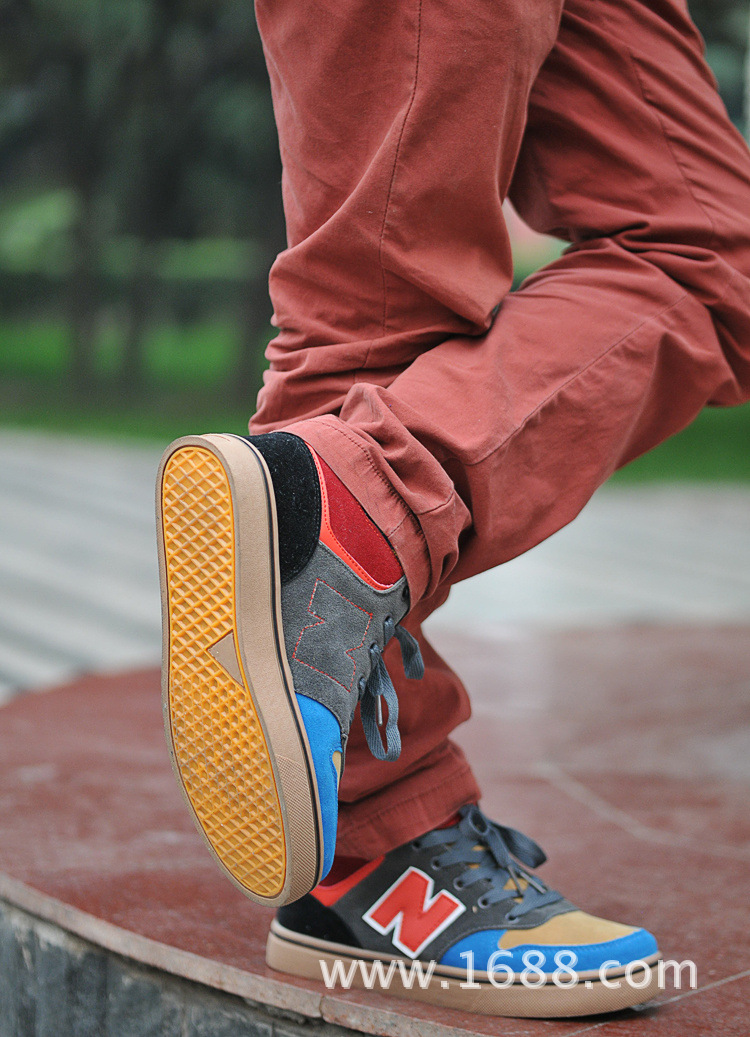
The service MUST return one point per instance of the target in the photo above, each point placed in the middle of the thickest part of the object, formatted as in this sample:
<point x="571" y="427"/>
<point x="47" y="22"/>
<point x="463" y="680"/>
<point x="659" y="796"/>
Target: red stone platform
<point x="626" y="753"/>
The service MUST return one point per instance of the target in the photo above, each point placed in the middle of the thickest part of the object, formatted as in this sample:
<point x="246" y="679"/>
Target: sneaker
<point x="278" y="597"/>
<point x="455" y="918"/>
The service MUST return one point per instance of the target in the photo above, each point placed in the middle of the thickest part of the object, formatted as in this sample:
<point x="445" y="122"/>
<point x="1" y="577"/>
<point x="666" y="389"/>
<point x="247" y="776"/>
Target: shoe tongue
<point x="522" y="883"/>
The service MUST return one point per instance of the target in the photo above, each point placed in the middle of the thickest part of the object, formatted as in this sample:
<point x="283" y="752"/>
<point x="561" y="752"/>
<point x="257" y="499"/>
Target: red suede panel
<point x="357" y="533"/>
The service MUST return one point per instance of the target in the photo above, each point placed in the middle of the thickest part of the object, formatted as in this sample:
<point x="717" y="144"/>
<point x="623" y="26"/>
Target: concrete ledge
<point x="54" y="984"/>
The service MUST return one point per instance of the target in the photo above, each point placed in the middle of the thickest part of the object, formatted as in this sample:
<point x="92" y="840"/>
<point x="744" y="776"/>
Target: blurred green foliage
<point x="140" y="181"/>
<point x="140" y="211"/>
<point x="724" y="25"/>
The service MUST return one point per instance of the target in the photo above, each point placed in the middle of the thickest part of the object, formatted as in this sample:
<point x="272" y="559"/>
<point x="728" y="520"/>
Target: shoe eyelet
<point x="511" y="918"/>
<point x="416" y="845"/>
<point x="405" y="592"/>
<point x="458" y="884"/>
<point x="388" y="619"/>
<point x="482" y="903"/>
<point x="435" y="864"/>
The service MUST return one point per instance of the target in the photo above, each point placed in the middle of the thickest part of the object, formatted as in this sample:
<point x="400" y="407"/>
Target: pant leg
<point x="480" y="446"/>
<point x="629" y="154"/>
<point x="399" y="126"/>
<point x="382" y="805"/>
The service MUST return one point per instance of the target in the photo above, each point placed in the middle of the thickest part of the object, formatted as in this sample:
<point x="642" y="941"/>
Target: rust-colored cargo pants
<point x="470" y="422"/>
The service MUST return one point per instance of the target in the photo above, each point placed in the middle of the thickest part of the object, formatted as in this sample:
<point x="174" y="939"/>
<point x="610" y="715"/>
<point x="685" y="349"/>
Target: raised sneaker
<point x="456" y="918"/>
<point x="279" y="595"/>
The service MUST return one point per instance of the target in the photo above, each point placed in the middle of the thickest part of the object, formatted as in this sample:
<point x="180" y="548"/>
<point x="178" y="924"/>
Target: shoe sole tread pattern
<point x="238" y="747"/>
<point x="299" y="955"/>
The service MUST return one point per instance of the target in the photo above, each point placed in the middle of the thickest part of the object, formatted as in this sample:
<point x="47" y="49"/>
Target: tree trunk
<point x="132" y="374"/>
<point x="79" y="146"/>
<point x="254" y="320"/>
<point x="82" y="299"/>
<point x="747" y="84"/>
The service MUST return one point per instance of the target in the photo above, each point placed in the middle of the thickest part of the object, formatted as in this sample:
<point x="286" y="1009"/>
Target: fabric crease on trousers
<point x="473" y="422"/>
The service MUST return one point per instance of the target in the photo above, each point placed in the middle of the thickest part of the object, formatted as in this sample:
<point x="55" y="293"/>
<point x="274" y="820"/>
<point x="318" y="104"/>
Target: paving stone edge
<point x="56" y="984"/>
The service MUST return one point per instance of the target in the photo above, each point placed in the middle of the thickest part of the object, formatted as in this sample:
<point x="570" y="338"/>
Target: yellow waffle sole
<point x="218" y="744"/>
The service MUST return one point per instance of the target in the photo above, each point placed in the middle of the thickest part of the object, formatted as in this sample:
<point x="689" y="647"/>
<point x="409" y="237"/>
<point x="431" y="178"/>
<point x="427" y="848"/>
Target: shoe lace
<point x="488" y="850"/>
<point x="378" y="686"/>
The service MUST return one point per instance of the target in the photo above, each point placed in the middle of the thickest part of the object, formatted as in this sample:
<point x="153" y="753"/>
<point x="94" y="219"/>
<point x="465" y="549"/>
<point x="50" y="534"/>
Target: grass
<point x="158" y="419"/>
<point x="199" y="355"/>
<point x="188" y="370"/>
<point x="715" y="448"/>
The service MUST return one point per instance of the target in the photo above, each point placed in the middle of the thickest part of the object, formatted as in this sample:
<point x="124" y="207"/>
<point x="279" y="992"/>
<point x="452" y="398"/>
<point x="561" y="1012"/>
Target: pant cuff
<point x="417" y="804"/>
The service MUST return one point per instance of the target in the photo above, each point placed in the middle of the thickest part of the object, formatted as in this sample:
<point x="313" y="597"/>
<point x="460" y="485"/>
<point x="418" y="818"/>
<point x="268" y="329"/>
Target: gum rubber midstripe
<point x="218" y="743"/>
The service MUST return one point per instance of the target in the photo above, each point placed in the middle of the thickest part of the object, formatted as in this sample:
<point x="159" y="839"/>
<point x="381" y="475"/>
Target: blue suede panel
<point x="481" y="944"/>
<point x="324" y="735"/>
<point x="633" y="947"/>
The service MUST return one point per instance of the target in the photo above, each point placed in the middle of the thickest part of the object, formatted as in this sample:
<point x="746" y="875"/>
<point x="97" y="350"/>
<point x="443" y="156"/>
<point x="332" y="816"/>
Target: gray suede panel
<point x="354" y="905"/>
<point x="331" y="617"/>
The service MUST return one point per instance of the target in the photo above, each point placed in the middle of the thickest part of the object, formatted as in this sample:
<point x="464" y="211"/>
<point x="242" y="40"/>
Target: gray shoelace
<point x="488" y="850"/>
<point x="379" y="686"/>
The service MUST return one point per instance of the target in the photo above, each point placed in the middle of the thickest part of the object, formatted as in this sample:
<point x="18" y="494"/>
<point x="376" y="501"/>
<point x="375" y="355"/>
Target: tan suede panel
<point x="571" y="929"/>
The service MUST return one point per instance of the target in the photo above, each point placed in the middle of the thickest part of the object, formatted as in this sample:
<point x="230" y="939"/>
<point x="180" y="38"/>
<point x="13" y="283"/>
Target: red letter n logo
<point x="409" y="910"/>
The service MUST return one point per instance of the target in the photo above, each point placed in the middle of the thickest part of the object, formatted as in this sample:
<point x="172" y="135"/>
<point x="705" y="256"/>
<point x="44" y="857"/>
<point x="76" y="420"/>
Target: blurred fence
<point x="140" y="203"/>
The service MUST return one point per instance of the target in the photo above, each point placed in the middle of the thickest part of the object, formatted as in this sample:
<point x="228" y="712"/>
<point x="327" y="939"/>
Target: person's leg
<point x="471" y="450"/>
<point x="630" y="155"/>
<point x="399" y="126"/>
